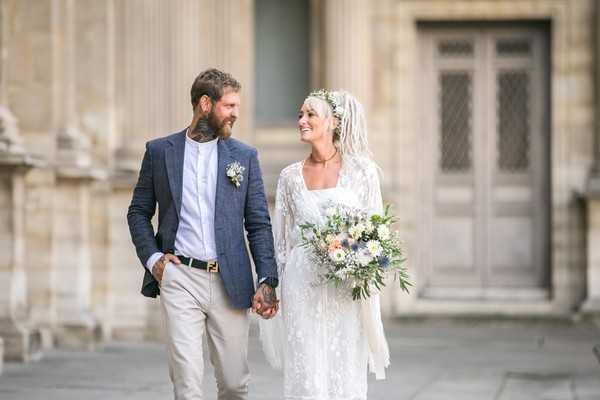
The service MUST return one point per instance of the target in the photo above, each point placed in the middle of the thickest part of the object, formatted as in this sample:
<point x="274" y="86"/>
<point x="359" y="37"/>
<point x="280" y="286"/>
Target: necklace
<point x="314" y="159"/>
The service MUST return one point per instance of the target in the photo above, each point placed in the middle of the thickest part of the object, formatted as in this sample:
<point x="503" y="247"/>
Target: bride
<point x="322" y="339"/>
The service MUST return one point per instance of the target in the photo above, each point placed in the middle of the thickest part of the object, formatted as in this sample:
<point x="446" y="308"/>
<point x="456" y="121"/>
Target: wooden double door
<point x="485" y="165"/>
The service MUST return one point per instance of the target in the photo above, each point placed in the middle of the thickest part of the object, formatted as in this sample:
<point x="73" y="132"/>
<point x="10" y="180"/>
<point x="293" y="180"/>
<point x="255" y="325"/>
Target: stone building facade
<point x="482" y="115"/>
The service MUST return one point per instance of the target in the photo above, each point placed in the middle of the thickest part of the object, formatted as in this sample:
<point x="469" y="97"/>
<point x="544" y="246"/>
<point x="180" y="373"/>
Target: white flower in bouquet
<point x="356" y="231"/>
<point x="329" y="238"/>
<point x="383" y="232"/>
<point x="369" y="227"/>
<point x="338" y="255"/>
<point x="364" y="256"/>
<point x="374" y="248"/>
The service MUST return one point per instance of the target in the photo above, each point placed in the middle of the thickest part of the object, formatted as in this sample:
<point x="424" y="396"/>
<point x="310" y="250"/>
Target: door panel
<point x="486" y="154"/>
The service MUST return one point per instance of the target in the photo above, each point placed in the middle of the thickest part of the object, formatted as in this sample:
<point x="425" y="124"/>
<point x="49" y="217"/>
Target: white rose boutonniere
<point x="235" y="173"/>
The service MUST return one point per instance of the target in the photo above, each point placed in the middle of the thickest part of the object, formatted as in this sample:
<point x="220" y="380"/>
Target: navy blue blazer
<point x="236" y="209"/>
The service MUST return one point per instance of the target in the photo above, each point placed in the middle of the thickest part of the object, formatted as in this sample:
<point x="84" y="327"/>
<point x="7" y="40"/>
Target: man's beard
<point x="209" y="127"/>
<point x="223" y="129"/>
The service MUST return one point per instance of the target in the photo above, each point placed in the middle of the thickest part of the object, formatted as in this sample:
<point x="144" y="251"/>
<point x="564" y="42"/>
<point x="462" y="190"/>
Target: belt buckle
<point x="212" y="266"/>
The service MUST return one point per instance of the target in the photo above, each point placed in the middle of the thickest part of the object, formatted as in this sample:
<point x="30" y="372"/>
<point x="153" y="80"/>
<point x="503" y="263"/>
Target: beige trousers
<point x="194" y="301"/>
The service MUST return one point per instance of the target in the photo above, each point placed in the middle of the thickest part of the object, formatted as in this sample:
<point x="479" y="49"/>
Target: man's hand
<point x="161" y="263"/>
<point x="265" y="301"/>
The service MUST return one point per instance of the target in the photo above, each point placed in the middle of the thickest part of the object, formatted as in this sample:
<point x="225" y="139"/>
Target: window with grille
<point x="513" y="120"/>
<point x="455" y="130"/>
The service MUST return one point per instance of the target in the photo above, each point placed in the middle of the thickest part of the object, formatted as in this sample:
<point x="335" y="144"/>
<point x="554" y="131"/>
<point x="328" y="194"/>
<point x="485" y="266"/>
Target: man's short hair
<point x="212" y="83"/>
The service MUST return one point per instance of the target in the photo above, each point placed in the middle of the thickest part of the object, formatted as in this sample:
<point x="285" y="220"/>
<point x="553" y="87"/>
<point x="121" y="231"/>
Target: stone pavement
<point x="431" y="360"/>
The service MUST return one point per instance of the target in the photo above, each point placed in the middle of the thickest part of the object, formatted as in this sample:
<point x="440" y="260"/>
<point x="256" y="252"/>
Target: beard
<point x="222" y="128"/>
<point x="210" y="127"/>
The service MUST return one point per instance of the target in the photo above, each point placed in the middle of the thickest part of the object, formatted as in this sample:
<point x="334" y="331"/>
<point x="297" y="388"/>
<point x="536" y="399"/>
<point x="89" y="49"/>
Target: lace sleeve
<point x="379" y="355"/>
<point x="281" y="225"/>
<point x="373" y="198"/>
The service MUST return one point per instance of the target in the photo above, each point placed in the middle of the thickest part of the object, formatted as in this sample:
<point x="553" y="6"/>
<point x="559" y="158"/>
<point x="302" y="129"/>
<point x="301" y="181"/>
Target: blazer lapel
<point x="174" y="156"/>
<point x="224" y="156"/>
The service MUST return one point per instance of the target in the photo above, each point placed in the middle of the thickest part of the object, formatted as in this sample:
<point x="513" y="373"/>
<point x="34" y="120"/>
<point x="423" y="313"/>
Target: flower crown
<point x="331" y="99"/>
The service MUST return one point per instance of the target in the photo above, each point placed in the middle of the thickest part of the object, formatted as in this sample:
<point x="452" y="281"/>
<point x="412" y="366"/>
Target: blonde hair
<point x="351" y="137"/>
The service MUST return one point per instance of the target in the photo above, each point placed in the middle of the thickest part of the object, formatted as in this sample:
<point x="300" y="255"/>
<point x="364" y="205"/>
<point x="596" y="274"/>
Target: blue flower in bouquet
<point x="347" y="242"/>
<point x="383" y="261"/>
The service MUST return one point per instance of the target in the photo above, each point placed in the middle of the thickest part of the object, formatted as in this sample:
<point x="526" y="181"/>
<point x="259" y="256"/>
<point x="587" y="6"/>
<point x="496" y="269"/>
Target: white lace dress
<point x="322" y="338"/>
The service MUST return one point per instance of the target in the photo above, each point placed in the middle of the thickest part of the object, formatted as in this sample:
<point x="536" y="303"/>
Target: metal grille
<point x="513" y="120"/>
<point x="456" y="121"/>
<point x="513" y="47"/>
<point x="455" y="48"/>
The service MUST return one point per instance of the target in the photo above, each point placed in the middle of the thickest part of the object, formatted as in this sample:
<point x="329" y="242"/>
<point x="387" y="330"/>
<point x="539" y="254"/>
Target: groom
<point x="209" y="190"/>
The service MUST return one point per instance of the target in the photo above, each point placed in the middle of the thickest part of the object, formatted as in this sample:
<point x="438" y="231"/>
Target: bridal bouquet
<point x="356" y="249"/>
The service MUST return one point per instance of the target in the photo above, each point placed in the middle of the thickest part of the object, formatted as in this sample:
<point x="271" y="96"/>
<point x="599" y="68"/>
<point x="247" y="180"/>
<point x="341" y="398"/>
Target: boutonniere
<point x="235" y="173"/>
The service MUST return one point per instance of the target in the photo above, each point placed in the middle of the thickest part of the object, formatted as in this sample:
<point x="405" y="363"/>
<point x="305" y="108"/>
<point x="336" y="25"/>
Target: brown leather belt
<point x="210" y="266"/>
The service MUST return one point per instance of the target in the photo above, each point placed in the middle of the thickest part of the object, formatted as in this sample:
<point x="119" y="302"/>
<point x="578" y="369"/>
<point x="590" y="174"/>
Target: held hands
<point x="161" y="263"/>
<point x="265" y="301"/>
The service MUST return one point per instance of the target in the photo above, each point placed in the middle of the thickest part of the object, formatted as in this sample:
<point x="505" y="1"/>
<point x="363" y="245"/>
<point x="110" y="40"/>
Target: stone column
<point x="131" y="314"/>
<point x="22" y="343"/>
<point x="18" y="341"/>
<point x="10" y="140"/>
<point x="96" y="114"/>
<point x="27" y="79"/>
<point x="143" y="97"/>
<point x="76" y="326"/>
<point x="230" y="47"/>
<point x="72" y="145"/>
<point x="189" y="54"/>
<point x="592" y="304"/>
<point x="347" y="51"/>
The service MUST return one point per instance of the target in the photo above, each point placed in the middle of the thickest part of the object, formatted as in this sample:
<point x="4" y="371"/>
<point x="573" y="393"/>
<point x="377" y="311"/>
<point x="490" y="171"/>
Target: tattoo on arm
<point x="269" y="295"/>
